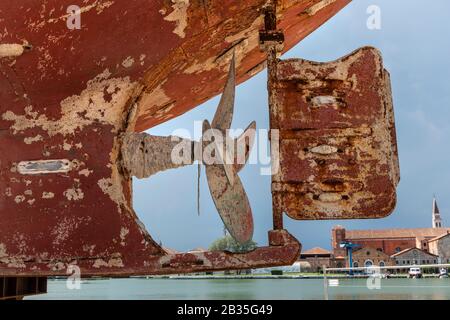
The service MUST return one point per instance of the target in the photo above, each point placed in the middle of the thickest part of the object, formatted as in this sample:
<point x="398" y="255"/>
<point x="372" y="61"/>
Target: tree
<point x="228" y="243"/>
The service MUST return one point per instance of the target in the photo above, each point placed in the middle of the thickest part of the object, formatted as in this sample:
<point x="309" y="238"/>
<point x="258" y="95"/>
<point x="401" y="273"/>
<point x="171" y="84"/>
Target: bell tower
<point x="337" y="237"/>
<point x="436" y="219"/>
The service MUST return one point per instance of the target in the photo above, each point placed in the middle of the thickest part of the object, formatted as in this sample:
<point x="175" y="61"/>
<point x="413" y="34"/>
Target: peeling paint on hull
<point x="71" y="96"/>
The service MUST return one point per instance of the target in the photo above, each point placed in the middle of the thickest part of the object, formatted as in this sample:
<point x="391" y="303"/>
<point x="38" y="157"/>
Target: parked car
<point x="443" y="273"/>
<point x="415" y="273"/>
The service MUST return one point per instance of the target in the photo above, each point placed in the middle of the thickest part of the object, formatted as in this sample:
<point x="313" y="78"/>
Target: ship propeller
<point x="226" y="188"/>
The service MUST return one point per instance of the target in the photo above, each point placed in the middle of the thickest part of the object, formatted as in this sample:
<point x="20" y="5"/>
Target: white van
<point x="415" y="273"/>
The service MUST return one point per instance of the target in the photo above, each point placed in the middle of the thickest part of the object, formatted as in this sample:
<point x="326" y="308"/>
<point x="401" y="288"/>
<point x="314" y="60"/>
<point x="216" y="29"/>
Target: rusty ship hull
<point x="69" y="95"/>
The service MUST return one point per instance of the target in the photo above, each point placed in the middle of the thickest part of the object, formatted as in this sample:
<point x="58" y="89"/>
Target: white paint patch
<point x="8" y="192"/>
<point x="179" y="16"/>
<point x="3" y="253"/>
<point x="30" y="140"/>
<point x="247" y="40"/>
<point x="98" y="5"/>
<point x="85" y="172"/>
<point x="64" y="229"/>
<point x="323" y="100"/>
<point x="19" y="199"/>
<point x="48" y="195"/>
<point x="128" y="62"/>
<point x="91" y="103"/>
<point x="11" y="50"/>
<point x="57" y="266"/>
<point x="89" y="248"/>
<point x="74" y="194"/>
<point x="113" y="190"/>
<point x="159" y="96"/>
<point x="324" y="149"/>
<point x="330" y="197"/>
<point x="113" y="262"/>
<point x="67" y="146"/>
<point x="318" y="6"/>
<point x="123" y="234"/>
<point x="142" y="58"/>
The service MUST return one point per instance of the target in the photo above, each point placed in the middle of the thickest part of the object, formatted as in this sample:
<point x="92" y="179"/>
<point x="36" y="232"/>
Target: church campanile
<point x="437" y="222"/>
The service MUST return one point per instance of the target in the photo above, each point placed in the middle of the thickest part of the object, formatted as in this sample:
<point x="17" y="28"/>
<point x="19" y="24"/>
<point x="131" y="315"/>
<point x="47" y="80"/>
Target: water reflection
<point x="393" y="289"/>
<point x="252" y="289"/>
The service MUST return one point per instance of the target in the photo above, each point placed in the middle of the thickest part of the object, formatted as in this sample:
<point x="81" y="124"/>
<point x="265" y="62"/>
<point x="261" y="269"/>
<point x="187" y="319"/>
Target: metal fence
<point x="374" y="274"/>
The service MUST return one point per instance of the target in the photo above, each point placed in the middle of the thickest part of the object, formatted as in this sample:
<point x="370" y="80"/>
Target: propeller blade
<point x="230" y="200"/>
<point x="227" y="163"/>
<point x="224" y="114"/>
<point x="246" y="139"/>
<point x="226" y="188"/>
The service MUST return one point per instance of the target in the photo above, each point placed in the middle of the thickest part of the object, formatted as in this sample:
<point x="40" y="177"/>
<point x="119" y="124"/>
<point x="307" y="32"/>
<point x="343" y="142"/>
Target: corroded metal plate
<point x="338" y="149"/>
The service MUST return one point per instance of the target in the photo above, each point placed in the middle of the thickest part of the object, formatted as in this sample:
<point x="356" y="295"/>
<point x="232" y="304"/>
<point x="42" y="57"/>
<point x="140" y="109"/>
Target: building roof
<point x="409" y="249"/>
<point x="440" y="237"/>
<point x="396" y="233"/>
<point x="316" y="251"/>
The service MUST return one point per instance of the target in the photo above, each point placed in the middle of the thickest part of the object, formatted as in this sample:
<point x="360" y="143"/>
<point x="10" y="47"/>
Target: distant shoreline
<point x="250" y="277"/>
<point x="268" y="277"/>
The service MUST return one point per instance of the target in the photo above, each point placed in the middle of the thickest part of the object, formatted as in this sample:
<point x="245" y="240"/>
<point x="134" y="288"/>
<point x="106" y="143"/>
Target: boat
<point x="69" y="93"/>
<point x="80" y="84"/>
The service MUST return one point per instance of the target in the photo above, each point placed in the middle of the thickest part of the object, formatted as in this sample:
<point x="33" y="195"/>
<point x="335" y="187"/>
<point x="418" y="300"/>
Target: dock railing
<point x="374" y="274"/>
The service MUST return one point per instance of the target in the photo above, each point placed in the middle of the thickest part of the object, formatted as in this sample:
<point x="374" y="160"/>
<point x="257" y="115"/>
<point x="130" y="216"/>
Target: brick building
<point x="368" y="257"/>
<point x="440" y="246"/>
<point x="413" y="256"/>
<point x="389" y="241"/>
<point x="394" y="245"/>
<point x="317" y="258"/>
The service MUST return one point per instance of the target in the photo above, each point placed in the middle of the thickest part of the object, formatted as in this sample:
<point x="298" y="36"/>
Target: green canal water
<point x="253" y="289"/>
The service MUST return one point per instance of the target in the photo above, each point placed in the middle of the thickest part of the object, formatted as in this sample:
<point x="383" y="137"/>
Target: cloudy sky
<point x="415" y="42"/>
